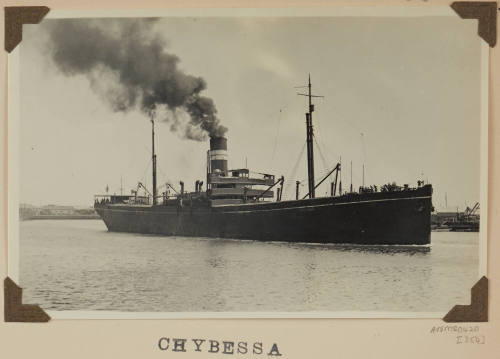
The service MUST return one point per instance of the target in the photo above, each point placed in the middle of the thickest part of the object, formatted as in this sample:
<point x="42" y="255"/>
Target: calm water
<point x="79" y="265"/>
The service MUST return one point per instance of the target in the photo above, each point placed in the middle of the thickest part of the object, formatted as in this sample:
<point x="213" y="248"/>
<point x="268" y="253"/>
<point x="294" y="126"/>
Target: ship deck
<point x="424" y="192"/>
<point x="354" y="198"/>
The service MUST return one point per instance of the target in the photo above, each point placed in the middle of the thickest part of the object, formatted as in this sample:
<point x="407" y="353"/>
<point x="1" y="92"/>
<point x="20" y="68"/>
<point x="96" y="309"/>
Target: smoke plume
<point x="128" y="66"/>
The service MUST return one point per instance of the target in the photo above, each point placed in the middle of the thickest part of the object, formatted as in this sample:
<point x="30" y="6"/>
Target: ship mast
<point x="154" y="161"/>
<point x="309" y="141"/>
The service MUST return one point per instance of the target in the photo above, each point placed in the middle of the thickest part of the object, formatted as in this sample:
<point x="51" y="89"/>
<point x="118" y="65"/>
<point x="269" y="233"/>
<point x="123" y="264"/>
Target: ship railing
<point x="241" y="192"/>
<point x="265" y="180"/>
<point x="104" y="199"/>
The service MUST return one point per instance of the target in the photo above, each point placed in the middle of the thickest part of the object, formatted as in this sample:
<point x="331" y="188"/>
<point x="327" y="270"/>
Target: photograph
<point x="249" y="164"/>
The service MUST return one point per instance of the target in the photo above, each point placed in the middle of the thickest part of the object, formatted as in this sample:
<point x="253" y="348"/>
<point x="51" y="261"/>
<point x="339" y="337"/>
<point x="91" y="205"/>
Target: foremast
<point x="154" y="161"/>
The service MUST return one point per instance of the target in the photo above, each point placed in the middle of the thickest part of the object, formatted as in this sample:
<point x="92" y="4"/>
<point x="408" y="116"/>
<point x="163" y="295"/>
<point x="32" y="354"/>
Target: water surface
<point x="79" y="265"/>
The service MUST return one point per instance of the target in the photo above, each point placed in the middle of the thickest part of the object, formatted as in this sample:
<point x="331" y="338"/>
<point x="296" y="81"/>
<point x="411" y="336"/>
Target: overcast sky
<point x="402" y="96"/>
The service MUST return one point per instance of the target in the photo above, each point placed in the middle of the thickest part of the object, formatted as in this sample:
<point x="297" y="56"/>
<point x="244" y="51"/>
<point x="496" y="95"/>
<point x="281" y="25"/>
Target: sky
<point x="401" y="97"/>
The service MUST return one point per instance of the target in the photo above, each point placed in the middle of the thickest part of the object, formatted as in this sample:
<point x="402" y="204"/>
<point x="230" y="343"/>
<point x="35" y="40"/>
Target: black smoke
<point x="128" y="66"/>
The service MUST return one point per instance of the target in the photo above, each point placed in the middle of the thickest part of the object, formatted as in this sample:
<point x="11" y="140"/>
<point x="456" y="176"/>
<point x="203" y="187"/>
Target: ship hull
<point x="401" y="217"/>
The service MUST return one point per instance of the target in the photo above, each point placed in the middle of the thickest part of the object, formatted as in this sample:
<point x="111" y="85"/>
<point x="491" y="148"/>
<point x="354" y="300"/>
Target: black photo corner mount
<point x="15" y="310"/>
<point x="486" y="14"/>
<point x="477" y="310"/>
<point x="15" y="17"/>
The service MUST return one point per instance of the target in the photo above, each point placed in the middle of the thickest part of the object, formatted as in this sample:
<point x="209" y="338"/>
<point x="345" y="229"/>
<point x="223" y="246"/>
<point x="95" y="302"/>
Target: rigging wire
<point x="143" y="177"/>
<point x="325" y="166"/>
<point x="164" y="176"/>
<point x="379" y="147"/>
<point x="319" y="141"/>
<point x="294" y="169"/>
<point x="320" y="145"/>
<point x="145" y="171"/>
<point x="282" y="109"/>
<point x="276" y="137"/>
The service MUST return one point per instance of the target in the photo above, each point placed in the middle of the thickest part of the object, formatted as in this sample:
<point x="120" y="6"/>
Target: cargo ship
<point x="240" y="204"/>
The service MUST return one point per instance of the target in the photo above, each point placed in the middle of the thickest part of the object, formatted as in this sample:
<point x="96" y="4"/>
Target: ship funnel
<point x="218" y="155"/>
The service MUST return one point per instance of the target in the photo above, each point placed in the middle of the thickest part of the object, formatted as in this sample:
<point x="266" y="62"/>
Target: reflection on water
<point x="71" y="265"/>
<point x="382" y="249"/>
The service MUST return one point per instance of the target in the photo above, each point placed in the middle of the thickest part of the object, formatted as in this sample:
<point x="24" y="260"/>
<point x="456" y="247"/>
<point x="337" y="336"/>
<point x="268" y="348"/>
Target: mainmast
<point x="309" y="140"/>
<point x="310" y="150"/>
<point x="154" y="161"/>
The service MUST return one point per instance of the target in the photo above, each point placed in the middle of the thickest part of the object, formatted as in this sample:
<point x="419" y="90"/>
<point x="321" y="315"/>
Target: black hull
<point x="401" y="217"/>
